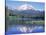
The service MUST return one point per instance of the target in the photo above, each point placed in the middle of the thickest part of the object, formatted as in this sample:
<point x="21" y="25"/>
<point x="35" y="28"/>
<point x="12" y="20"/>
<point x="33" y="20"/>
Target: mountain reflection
<point x="17" y="29"/>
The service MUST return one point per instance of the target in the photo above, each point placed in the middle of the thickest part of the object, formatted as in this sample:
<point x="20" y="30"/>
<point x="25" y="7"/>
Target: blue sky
<point x="14" y="4"/>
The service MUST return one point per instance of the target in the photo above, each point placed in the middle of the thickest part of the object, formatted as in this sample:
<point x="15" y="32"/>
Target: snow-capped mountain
<point x="25" y="7"/>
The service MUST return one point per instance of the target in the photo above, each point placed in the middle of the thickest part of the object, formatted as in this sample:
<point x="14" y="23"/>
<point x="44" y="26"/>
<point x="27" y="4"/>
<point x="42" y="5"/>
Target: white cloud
<point x="30" y="0"/>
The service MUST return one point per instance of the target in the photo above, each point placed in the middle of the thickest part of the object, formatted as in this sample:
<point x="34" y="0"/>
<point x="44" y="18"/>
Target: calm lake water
<point x="21" y="29"/>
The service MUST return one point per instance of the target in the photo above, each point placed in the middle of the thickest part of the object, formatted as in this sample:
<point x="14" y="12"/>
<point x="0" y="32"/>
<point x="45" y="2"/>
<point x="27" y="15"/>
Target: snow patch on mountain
<point x="25" y="7"/>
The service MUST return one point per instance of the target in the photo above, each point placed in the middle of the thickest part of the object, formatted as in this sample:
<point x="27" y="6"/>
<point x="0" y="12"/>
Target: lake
<point x="22" y="29"/>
